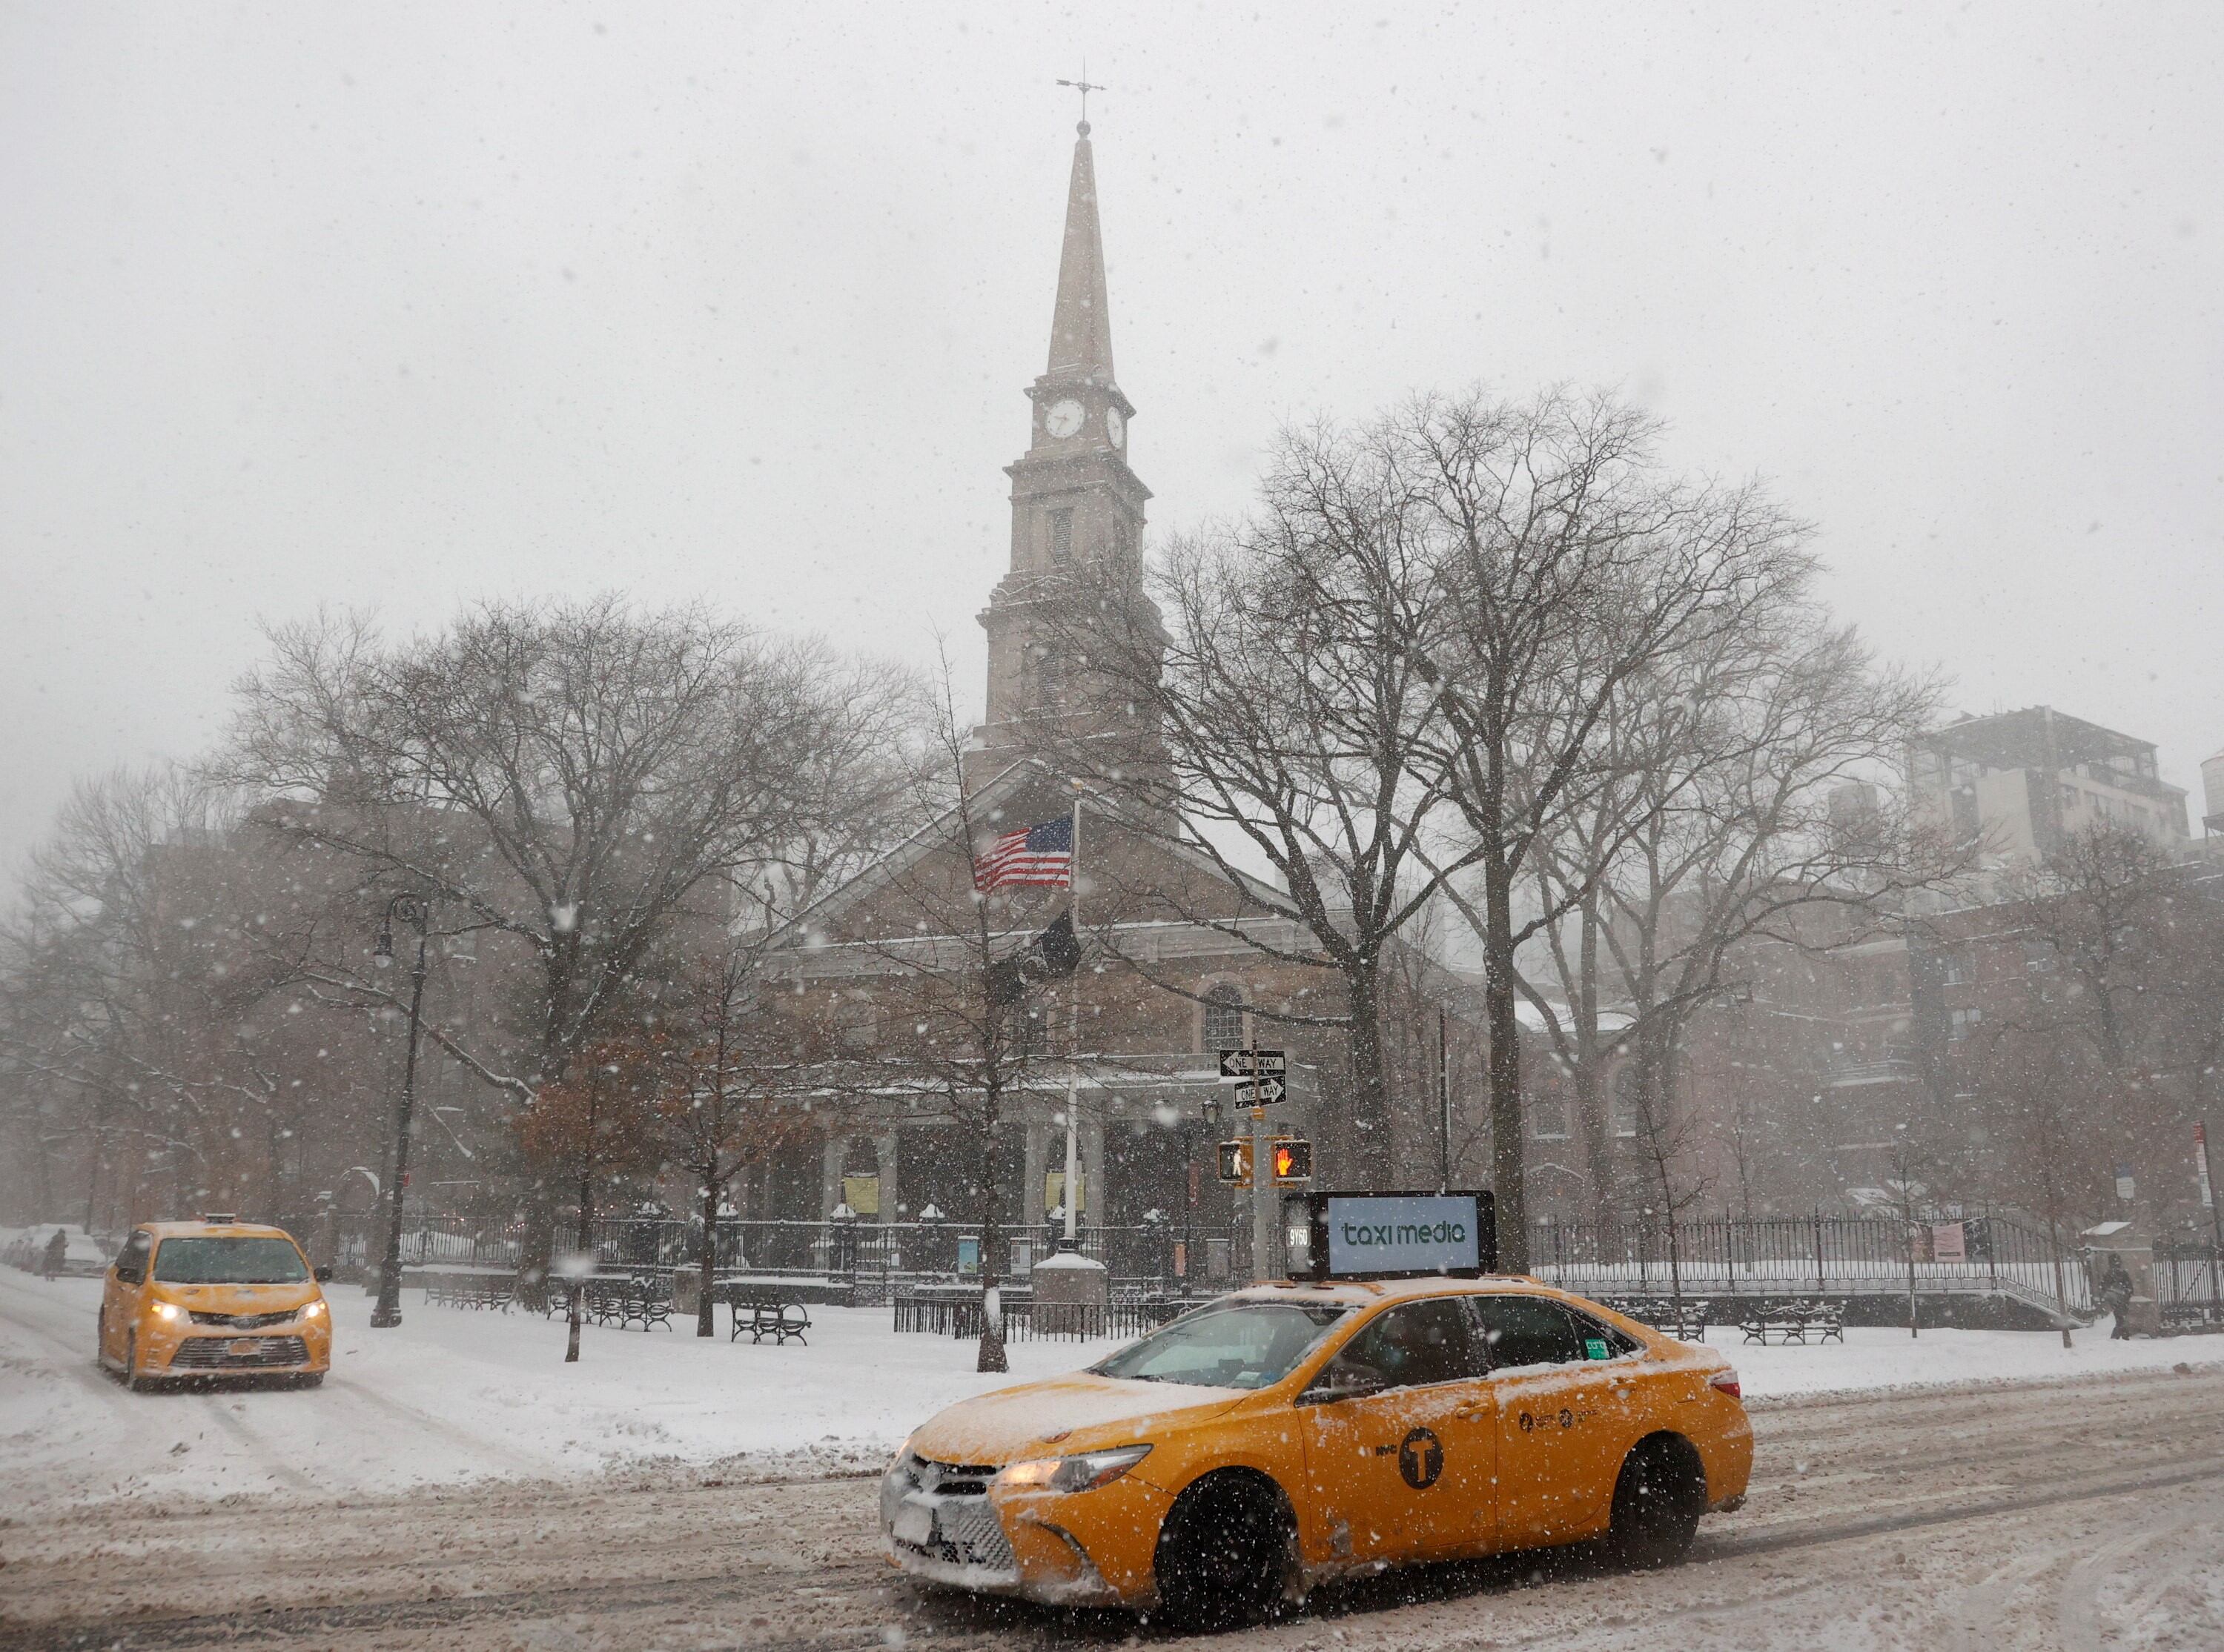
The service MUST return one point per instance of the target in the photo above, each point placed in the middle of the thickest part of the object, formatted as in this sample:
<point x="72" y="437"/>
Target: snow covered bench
<point x="1797" y="1323"/>
<point x="769" y="1316"/>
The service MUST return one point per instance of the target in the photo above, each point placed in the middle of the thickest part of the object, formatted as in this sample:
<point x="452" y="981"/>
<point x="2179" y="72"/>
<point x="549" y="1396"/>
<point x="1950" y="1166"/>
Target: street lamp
<point x="415" y="910"/>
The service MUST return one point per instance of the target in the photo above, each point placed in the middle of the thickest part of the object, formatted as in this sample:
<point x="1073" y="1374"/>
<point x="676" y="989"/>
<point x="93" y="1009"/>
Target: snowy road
<point x="2076" y="1515"/>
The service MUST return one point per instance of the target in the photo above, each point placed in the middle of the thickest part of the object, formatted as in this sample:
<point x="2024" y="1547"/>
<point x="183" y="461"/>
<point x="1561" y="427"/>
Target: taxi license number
<point x="243" y="1347"/>
<point x="914" y="1525"/>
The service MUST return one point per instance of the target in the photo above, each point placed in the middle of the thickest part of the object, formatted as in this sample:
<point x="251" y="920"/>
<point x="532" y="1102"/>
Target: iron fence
<point x="1717" y="1258"/>
<point x="1834" y="1256"/>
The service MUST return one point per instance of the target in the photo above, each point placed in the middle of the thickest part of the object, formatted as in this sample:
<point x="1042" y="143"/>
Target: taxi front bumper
<point x="952" y="1526"/>
<point x="296" y="1346"/>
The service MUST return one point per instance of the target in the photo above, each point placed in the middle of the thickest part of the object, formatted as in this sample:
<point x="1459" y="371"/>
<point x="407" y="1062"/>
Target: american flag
<point x="1040" y="855"/>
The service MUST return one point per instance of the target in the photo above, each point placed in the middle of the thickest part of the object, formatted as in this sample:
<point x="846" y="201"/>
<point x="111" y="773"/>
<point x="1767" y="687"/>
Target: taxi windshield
<point x="229" y="1262"/>
<point x="1238" y="1344"/>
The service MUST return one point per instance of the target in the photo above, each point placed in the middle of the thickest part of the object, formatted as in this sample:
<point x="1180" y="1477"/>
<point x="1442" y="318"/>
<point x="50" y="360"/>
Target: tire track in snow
<point x="860" y="1581"/>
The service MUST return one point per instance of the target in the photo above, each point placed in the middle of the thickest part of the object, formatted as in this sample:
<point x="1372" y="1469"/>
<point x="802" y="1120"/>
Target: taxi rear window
<point x="1240" y="1345"/>
<point x="229" y="1262"/>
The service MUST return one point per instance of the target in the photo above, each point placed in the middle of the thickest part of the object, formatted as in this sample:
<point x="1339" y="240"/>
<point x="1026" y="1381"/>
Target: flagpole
<point x="1073" y="1049"/>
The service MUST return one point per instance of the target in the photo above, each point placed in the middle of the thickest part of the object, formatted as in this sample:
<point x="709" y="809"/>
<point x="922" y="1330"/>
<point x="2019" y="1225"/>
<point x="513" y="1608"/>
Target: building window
<point x="1960" y="1021"/>
<point x="1548" y="1111"/>
<point x="1224" y="1018"/>
<point x="1625" y="1101"/>
<point x="2039" y="957"/>
<point x="856" y="1025"/>
<point x="1961" y="969"/>
<point x="1061" y="536"/>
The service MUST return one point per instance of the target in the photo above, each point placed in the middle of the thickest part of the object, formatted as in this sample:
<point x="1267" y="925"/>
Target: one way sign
<point x="1261" y="1092"/>
<point x="1238" y="1064"/>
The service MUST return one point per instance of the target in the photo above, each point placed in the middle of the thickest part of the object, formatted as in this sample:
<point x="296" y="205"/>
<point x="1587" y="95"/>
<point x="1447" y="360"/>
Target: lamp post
<point x="416" y="912"/>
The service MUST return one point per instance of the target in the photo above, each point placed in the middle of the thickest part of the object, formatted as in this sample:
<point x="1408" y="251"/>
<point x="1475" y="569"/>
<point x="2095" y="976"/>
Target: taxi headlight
<point x="1082" y="1473"/>
<point x="170" y="1311"/>
<point x="313" y="1310"/>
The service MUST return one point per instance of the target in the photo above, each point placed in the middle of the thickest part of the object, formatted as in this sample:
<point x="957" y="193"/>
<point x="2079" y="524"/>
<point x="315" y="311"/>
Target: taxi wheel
<point x="139" y="1384"/>
<point x="1657" y="1503"/>
<point x="1224" y="1552"/>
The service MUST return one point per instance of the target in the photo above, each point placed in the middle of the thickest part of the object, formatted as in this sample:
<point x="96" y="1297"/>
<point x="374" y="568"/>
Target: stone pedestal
<point x="1073" y="1294"/>
<point x="2126" y="1244"/>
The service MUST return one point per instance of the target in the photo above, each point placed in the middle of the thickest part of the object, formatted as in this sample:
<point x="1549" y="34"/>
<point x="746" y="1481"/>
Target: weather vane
<point x="1085" y="86"/>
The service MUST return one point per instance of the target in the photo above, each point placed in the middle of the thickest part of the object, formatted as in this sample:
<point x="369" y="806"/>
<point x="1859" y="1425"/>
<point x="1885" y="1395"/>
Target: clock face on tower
<point x="1115" y="426"/>
<point x="1064" y="418"/>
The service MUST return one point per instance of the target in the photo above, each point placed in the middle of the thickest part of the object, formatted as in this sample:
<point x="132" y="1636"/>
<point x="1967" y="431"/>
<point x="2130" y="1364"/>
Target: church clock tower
<point x="1073" y="497"/>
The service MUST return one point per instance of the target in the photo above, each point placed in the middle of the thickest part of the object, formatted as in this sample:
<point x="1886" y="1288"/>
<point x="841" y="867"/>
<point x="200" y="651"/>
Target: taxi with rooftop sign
<point x="216" y="1298"/>
<point x="1395" y="1404"/>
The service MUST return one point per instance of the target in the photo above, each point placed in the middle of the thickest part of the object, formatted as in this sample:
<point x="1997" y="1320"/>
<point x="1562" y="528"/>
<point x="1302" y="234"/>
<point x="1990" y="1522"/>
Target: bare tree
<point x="564" y="779"/>
<point x="1733" y="800"/>
<point x="1566" y="567"/>
<point x="729" y="1065"/>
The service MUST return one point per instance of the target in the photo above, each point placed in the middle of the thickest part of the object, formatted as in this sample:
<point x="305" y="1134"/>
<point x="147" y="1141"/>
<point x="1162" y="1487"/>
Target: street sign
<point x="1261" y="1092"/>
<point x="1236" y="1065"/>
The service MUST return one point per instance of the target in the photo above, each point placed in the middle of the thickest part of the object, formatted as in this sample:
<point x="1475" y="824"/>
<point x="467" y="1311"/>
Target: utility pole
<point x="2208" y="1193"/>
<point x="1071" y="1240"/>
<point x="1262" y="1175"/>
<point x="417" y="912"/>
<point x="1443" y="1112"/>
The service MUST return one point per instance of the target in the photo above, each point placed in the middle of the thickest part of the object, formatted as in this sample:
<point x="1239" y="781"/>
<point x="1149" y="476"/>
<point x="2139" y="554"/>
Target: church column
<point x="1031" y="1196"/>
<point x="1092" y="1161"/>
<point x="832" y="1159"/>
<point x="884" y="1148"/>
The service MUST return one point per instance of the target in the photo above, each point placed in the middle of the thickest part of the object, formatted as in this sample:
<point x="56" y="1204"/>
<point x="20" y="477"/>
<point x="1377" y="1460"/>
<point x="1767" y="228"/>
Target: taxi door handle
<point x="1467" y="1413"/>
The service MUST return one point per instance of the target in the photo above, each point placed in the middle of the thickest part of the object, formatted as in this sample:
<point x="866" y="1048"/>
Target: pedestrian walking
<point x="56" y="1253"/>
<point x="2115" y="1295"/>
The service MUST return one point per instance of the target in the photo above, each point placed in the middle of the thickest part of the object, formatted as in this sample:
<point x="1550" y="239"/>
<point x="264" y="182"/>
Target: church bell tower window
<point x="1061" y="537"/>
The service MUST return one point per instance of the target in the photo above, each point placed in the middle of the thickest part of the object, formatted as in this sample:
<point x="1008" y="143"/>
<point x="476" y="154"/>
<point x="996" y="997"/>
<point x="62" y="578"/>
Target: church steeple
<point x="1081" y="326"/>
<point x="1074" y="499"/>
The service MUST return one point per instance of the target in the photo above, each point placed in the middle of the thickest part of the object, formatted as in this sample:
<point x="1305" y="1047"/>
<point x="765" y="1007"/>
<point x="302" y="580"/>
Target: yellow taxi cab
<point x="1290" y="1433"/>
<point x="216" y="1297"/>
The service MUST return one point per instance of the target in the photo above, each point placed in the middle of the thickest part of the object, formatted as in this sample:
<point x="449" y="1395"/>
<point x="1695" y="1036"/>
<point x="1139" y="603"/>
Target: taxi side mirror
<point x="323" y="1276"/>
<point x="1343" y="1383"/>
<point x="130" y="1277"/>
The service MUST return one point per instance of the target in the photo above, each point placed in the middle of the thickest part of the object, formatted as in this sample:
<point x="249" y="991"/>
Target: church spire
<point x="1081" y="326"/>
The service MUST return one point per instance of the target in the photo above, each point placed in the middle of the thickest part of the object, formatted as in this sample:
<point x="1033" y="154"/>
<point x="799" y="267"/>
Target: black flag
<point x="1056" y="953"/>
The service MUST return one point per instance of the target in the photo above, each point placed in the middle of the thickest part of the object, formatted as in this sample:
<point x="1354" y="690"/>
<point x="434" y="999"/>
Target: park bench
<point x="469" y="1290"/>
<point x="769" y="1316"/>
<point x="648" y="1300"/>
<point x="1800" y="1322"/>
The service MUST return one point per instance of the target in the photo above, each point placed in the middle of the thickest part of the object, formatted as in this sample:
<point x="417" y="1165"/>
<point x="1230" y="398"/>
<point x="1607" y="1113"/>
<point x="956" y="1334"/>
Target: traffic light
<point x="1293" y="1159"/>
<point x="1235" y="1163"/>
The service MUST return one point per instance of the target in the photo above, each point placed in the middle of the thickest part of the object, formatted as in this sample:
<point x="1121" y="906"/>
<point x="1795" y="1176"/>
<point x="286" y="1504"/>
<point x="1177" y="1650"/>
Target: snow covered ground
<point x="455" y="1394"/>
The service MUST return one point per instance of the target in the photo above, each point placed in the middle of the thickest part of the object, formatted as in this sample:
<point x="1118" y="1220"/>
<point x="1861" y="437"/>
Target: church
<point x="894" y="961"/>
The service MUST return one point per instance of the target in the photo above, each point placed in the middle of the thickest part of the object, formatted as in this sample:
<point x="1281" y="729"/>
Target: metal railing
<point x="1833" y="1256"/>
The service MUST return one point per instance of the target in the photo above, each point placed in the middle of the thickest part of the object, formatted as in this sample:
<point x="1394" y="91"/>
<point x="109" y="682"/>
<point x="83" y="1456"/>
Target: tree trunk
<point x="1370" y="1090"/>
<point x="584" y="1258"/>
<point x="537" y="1245"/>
<point x="705" y="1314"/>
<point x="992" y="1310"/>
<point x="1508" y="1165"/>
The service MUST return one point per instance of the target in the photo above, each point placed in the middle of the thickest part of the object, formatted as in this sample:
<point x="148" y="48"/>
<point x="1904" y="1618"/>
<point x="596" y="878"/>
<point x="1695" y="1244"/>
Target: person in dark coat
<point x="57" y="1252"/>
<point x="2115" y="1293"/>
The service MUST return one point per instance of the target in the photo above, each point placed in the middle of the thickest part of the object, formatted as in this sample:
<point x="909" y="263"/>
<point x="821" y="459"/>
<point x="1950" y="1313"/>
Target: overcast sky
<point x="402" y="307"/>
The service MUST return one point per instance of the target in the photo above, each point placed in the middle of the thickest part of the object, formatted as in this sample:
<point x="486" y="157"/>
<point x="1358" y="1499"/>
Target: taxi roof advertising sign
<point x="1395" y="1235"/>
